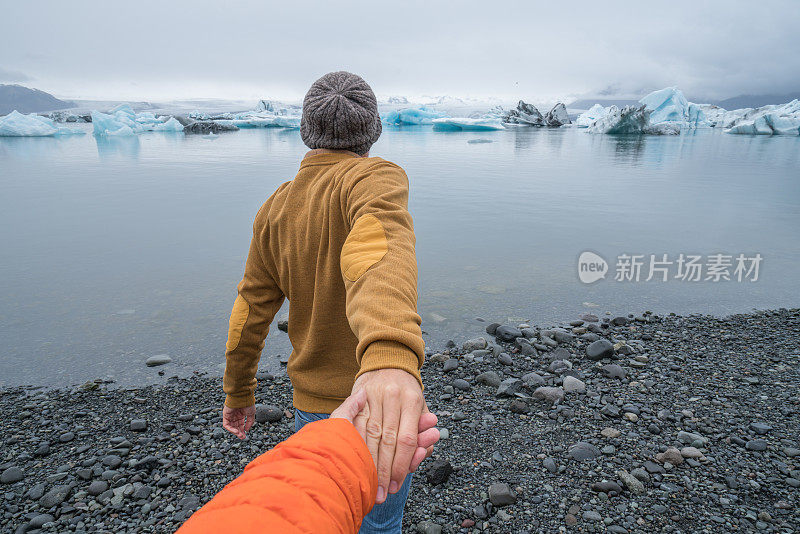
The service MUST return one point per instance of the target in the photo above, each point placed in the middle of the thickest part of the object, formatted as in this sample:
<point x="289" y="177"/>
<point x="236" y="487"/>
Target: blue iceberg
<point x="420" y="115"/>
<point x="454" y="124"/>
<point x="669" y="105"/>
<point x="586" y="118"/>
<point x="15" y="124"/>
<point x="631" y="120"/>
<point x="783" y="119"/>
<point x="122" y="121"/>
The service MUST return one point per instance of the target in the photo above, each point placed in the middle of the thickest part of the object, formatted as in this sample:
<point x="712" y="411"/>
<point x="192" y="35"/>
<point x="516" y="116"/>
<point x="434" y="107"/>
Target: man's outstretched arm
<point x="257" y="302"/>
<point x="379" y="269"/>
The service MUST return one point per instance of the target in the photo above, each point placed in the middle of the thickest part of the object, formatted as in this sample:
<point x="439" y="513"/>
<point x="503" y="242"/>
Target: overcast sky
<point x="538" y="51"/>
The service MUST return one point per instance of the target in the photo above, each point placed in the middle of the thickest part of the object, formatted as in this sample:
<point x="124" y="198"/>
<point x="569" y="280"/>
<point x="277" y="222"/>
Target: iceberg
<point x="557" y="116"/>
<point x="782" y="119"/>
<point x="420" y="115"/>
<point x="15" y="124"/>
<point x="122" y="121"/>
<point x="718" y="117"/>
<point x="714" y="114"/>
<point x="663" y="128"/>
<point x="268" y="114"/>
<point x="524" y="114"/>
<point x="263" y="120"/>
<point x="450" y="124"/>
<point x="669" y="105"/>
<point x="631" y="120"/>
<point x="203" y="116"/>
<point x="206" y="127"/>
<point x="67" y="116"/>
<point x="667" y="112"/>
<point x="586" y="118"/>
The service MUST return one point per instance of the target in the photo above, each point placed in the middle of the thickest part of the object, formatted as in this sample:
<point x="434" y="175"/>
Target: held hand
<point x="351" y="407"/>
<point x="390" y="422"/>
<point x="238" y="421"/>
<point x="427" y="437"/>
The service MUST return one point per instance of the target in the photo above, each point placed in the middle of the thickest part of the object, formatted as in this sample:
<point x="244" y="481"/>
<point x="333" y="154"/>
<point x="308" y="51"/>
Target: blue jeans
<point x="384" y="518"/>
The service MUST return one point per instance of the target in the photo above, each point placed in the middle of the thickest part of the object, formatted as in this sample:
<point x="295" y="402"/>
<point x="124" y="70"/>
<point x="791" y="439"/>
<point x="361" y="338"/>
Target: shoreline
<point x="684" y="423"/>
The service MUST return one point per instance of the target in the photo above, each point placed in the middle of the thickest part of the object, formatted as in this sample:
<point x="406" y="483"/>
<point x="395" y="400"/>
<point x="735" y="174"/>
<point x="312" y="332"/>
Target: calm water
<point x="115" y="250"/>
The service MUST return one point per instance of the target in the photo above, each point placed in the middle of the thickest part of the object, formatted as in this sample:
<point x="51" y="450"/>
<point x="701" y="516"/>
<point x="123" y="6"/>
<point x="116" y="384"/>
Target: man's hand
<point x="237" y="421"/>
<point x="390" y="422"/>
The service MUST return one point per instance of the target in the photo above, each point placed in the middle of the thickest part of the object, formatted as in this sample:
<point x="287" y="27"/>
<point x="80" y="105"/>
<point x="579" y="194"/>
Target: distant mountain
<point x="586" y="103"/>
<point x="755" y="101"/>
<point x="26" y="100"/>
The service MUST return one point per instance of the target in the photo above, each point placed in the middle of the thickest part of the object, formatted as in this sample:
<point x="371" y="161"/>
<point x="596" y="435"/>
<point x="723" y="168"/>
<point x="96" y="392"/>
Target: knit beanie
<point x="340" y="112"/>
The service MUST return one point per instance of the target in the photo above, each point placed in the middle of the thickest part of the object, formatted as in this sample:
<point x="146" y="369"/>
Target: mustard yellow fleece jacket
<point x="338" y="242"/>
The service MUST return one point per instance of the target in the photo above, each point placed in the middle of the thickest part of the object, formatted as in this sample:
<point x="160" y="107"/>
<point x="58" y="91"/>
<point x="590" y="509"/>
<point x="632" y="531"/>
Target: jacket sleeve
<point x="379" y="268"/>
<point x="256" y="304"/>
<point x="320" y="480"/>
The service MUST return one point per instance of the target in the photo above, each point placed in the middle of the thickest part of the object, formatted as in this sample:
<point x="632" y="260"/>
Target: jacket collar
<point x="325" y="156"/>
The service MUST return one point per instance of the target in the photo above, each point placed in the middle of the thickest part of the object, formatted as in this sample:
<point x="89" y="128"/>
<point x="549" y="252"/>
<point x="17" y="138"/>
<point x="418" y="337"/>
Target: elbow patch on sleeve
<point x="365" y="246"/>
<point x="241" y="309"/>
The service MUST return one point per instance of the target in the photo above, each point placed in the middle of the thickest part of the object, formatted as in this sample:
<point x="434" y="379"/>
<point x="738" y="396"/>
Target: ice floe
<point x="123" y="121"/>
<point x="16" y="124"/>
<point x="467" y="124"/>
<point x="782" y="119"/>
<point x="586" y="118"/>
<point x="268" y="114"/>
<point x="264" y="120"/>
<point x="418" y="115"/>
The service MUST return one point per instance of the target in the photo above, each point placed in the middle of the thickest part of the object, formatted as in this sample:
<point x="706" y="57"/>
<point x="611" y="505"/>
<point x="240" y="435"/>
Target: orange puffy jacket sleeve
<point x="321" y="480"/>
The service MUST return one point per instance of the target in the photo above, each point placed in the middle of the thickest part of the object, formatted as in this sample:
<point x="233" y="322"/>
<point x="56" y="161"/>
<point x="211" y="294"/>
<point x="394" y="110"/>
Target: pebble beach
<point x="610" y="423"/>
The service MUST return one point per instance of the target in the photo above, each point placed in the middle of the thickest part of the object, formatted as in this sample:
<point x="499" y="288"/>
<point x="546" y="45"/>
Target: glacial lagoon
<point x="117" y="249"/>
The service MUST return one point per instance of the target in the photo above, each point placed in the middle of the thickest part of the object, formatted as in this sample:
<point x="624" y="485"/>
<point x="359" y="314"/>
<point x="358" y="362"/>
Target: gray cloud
<point x="509" y="49"/>
<point x="13" y="76"/>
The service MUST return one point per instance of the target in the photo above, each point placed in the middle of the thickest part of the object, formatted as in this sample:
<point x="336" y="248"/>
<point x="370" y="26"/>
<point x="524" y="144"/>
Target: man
<point x="338" y="242"/>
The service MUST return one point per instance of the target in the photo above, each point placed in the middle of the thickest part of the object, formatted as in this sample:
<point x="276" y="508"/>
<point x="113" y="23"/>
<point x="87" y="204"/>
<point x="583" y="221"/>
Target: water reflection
<point x="628" y="149"/>
<point x="523" y="139"/>
<point x="126" y="145"/>
<point x="28" y="148"/>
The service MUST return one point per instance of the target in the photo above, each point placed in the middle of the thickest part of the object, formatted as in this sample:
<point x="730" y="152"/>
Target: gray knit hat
<point x="340" y="111"/>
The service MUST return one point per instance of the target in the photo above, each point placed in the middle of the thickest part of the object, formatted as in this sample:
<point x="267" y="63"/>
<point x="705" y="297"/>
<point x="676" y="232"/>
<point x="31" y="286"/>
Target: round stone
<point x="582" y="451"/>
<point x="97" y="487"/>
<point x="268" y="413"/>
<point x="11" y="475"/>
<point x="158" y="359"/>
